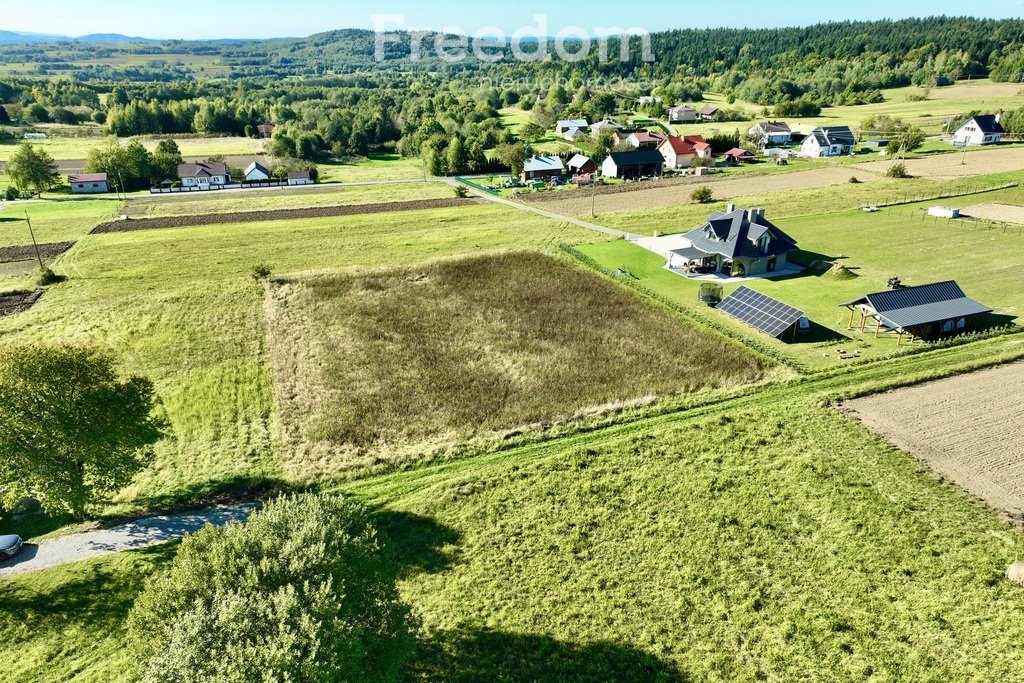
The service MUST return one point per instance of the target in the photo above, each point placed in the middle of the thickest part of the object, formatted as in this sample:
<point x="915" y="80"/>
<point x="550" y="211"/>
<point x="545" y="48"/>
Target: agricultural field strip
<point x="825" y="388"/>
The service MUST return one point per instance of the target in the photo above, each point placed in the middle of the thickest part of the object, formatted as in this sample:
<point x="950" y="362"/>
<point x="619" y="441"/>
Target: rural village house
<point x="643" y="139"/>
<point x="633" y="165"/>
<point x="88" y="183"/>
<point x="606" y="124"/>
<point x="738" y="242"/>
<point x="580" y="165"/>
<point x="979" y="130"/>
<point x="257" y="171"/>
<point x="771" y="134"/>
<point x="682" y="114"/>
<point x="682" y="152"/>
<point x="831" y="141"/>
<point x="299" y="178"/>
<point x="737" y="155"/>
<point x="542" y="168"/>
<point x="565" y="125"/>
<point x="203" y="174"/>
<point x="709" y="113"/>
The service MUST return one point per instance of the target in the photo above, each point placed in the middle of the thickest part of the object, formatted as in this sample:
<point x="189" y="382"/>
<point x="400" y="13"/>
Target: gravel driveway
<point x="137" y="534"/>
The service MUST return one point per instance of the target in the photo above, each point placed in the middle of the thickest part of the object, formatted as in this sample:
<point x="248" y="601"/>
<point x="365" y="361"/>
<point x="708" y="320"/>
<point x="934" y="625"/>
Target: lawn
<point x="376" y="167"/>
<point x="368" y="365"/>
<point x="56" y="220"/>
<point x="179" y="306"/>
<point x="897" y="241"/>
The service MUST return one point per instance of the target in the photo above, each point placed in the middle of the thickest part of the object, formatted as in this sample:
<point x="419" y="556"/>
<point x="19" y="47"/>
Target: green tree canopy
<point x="71" y="430"/>
<point x="301" y="592"/>
<point x="31" y="168"/>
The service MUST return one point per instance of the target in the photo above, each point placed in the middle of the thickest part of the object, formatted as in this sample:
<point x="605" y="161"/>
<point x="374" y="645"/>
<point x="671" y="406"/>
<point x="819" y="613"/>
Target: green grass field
<point x="372" y="366"/>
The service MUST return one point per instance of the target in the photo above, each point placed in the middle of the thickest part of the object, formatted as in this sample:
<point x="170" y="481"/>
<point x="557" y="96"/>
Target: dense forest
<point x="327" y="95"/>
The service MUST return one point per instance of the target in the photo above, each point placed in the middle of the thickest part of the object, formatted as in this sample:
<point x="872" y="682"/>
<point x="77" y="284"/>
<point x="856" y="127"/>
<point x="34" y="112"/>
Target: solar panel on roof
<point x="769" y="315"/>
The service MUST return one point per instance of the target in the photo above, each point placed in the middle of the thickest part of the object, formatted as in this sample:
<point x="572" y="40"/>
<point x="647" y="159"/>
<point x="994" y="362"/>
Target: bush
<point x="261" y="271"/>
<point x="897" y="170"/>
<point x="702" y="195"/>
<point x="302" y="592"/>
<point x="461" y="192"/>
<point x="47" y="277"/>
<point x="10" y="194"/>
<point x="853" y="180"/>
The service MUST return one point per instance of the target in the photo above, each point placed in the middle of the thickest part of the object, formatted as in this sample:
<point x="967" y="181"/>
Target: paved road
<point x="541" y="212"/>
<point x="137" y="534"/>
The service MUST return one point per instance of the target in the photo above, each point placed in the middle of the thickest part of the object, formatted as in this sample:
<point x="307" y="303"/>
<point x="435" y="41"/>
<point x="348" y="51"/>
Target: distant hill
<point x="17" y="37"/>
<point x="113" y="39"/>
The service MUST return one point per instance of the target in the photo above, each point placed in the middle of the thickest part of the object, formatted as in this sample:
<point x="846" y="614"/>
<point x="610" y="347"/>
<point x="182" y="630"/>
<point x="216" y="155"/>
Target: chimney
<point x="730" y="208"/>
<point x="999" y="115"/>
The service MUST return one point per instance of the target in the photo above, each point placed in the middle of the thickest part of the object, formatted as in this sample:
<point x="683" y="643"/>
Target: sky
<point x="277" y="18"/>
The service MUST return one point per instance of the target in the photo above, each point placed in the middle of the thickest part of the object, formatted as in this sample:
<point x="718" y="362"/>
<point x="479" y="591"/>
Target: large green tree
<point x="32" y="170"/>
<point x="71" y="430"/>
<point x="301" y="592"/>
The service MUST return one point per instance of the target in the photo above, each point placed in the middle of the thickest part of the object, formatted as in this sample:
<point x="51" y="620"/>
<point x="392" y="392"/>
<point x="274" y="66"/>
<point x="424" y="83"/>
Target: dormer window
<point x="763" y="243"/>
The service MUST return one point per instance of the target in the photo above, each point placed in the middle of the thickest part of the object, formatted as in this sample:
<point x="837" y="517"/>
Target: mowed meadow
<point x="369" y="364"/>
<point x="180" y="306"/>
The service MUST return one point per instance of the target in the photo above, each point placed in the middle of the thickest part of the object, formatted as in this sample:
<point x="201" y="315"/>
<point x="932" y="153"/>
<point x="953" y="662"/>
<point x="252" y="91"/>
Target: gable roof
<point x="687" y="144"/>
<point x="87" y="178"/>
<point x="773" y="127"/>
<point x="257" y="166"/>
<point x="913" y="306"/>
<point x="986" y="123"/>
<point x="736" y="234"/>
<point x="709" y="111"/>
<point x="201" y="168"/>
<point x="834" y="135"/>
<point x="578" y="161"/>
<point x="573" y="123"/>
<point x="606" y="123"/>
<point x="643" y="136"/>
<point x="637" y="158"/>
<point x="298" y="175"/>
<point x="683" y="107"/>
<point x="546" y="163"/>
<point x="738" y="153"/>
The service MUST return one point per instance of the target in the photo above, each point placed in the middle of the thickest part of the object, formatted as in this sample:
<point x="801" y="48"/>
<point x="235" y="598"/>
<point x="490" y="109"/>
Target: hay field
<point x="981" y="449"/>
<point x="661" y="196"/>
<point x="956" y="164"/>
<point x="368" y="366"/>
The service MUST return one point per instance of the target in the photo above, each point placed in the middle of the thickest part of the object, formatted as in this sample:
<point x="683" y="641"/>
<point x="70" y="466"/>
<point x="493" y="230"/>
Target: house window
<point x="948" y="327"/>
<point x="961" y="324"/>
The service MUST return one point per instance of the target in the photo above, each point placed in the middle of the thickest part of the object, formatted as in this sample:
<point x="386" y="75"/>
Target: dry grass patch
<point x="379" y="366"/>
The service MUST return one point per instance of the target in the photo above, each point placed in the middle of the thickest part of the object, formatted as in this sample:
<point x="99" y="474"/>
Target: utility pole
<point x="120" y="183"/>
<point x="32" y="234"/>
<point x="593" y="196"/>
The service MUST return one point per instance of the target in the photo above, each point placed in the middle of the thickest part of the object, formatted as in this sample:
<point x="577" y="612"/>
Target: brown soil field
<point x="279" y="215"/>
<point x="27" y="251"/>
<point x="655" y="195"/>
<point x="1004" y="213"/>
<point x="17" y="302"/>
<point x="968" y="429"/>
<point x="975" y="162"/>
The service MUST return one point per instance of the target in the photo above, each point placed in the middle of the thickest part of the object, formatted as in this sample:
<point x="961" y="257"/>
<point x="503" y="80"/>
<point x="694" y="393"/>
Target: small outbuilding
<point x="299" y="178"/>
<point x="581" y="165"/>
<point x="632" y="165"/>
<point x="257" y="171"/>
<point x="924" y="312"/>
<point x="542" y="168"/>
<point x="88" y="183"/>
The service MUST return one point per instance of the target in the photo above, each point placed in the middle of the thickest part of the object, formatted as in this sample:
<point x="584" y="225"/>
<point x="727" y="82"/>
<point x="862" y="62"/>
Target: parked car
<point x="10" y="546"/>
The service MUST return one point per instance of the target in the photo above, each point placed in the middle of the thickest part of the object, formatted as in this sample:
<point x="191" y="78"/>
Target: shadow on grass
<point x="219" y="492"/>
<point x="463" y="656"/>
<point x="416" y="544"/>
<point x="31" y="522"/>
<point x="818" y="334"/>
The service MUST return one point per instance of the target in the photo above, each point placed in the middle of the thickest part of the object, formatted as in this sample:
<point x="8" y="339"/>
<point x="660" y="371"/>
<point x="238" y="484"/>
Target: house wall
<point x="256" y="175"/>
<point x="90" y="188"/>
<point x="300" y="181"/>
<point x="212" y="180"/>
<point x="970" y="134"/>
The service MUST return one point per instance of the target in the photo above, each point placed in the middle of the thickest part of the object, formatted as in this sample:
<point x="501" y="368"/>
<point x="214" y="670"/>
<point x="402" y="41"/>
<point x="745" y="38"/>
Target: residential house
<point x="979" y="130"/>
<point x="576" y="134"/>
<point x="682" y="152"/>
<point x="257" y="171"/>
<point x="830" y="141"/>
<point x="642" y="139"/>
<point x="203" y="174"/>
<point x="708" y="113"/>
<point x="299" y="178"/>
<point x="265" y="130"/>
<point x="682" y="114"/>
<point x="737" y="155"/>
<point x="771" y="134"/>
<point x="543" y="167"/>
<point x="738" y="242"/>
<point x="581" y="165"/>
<point x="603" y="125"/>
<point x="632" y="165"/>
<point x="648" y="100"/>
<point x="923" y="312"/>
<point x="564" y="126"/>
<point x="88" y="183"/>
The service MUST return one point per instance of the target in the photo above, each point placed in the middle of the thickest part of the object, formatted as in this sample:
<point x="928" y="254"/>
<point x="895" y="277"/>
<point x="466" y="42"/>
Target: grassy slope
<point x="877" y="246"/>
<point x="179" y="306"/>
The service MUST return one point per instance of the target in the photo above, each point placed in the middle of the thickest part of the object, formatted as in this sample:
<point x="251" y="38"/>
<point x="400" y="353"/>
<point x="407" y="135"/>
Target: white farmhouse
<point x="979" y="130"/>
<point x="203" y="174"/>
<point x="830" y="141"/>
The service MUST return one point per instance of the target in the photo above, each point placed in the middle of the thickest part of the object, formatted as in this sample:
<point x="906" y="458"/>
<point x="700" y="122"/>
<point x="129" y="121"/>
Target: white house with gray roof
<point x="829" y="141"/>
<point x="979" y="130"/>
<point x="542" y="168"/>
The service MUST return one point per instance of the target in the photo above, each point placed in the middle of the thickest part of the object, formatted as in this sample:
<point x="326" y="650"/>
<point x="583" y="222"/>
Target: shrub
<point x="302" y="592"/>
<point x="854" y="180"/>
<point x="261" y="271"/>
<point x="897" y="170"/>
<point x="10" y="194"/>
<point x="702" y="195"/>
<point x="461" y="192"/>
<point x="47" y="277"/>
